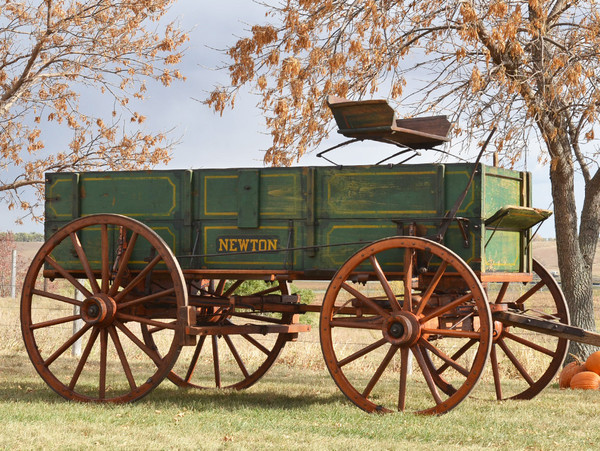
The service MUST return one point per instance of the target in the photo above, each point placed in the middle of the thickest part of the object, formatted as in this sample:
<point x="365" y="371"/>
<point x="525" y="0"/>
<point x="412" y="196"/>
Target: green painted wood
<point x="248" y="190"/>
<point x="517" y="218"/>
<point x="378" y="192"/>
<point x="62" y="196"/>
<point x="210" y="214"/>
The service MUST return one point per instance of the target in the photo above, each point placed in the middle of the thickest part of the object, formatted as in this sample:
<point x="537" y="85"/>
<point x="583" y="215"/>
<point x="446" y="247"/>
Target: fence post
<point x="77" y="324"/>
<point x="13" y="275"/>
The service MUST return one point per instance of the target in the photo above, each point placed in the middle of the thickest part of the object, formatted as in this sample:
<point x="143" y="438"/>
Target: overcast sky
<point x="238" y="137"/>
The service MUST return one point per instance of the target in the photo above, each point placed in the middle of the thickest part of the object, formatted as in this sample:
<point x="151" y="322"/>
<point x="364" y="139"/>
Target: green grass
<point x="292" y="407"/>
<point x="295" y="406"/>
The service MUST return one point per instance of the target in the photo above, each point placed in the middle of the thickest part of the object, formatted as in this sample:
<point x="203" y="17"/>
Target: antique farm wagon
<point x="429" y="270"/>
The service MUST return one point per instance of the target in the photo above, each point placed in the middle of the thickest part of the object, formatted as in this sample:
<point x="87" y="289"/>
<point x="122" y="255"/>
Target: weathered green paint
<point x="248" y="189"/>
<point x="228" y="217"/>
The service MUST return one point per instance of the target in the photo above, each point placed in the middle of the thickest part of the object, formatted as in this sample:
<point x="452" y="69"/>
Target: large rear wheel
<point x="400" y="299"/>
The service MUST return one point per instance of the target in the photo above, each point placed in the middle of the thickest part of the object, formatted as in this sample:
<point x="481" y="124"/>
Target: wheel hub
<point x="99" y="310"/>
<point x="402" y="329"/>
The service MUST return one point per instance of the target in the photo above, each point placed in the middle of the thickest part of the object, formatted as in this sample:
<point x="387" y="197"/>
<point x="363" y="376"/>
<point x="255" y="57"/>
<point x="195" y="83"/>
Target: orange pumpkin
<point x="586" y="380"/>
<point x="593" y="362"/>
<point x="568" y="371"/>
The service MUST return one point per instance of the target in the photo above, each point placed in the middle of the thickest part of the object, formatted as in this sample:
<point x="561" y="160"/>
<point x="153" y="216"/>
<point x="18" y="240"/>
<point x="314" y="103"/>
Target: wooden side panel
<point x="159" y="199"/>
<point x="379" y="192"/>
<point x="62" y="197"/>
<point x="218" y="193"/>
<point x="249" y="194"/>
<point x="244" y="218"/>
<point x="505" y="248"/>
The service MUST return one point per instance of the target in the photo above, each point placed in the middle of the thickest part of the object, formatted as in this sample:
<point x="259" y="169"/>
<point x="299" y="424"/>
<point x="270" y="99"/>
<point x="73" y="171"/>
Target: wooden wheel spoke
<point x="520" y="368"/>
<point x="220" y="287"/>
<point x="448" y="360"/>
<point x="364" y="351"/>
<point x="124" y="261"/>
<point x="54" y="322"/>
<point x="416" y="350"/>
<point x="373" y="323"/>
<point x="365" y="300"/>
<point x="530" y="292"/>
<point x="452" y="333"/>
<point x="403" y="377"/>
<point x="440" y="311"/>
<point x="382" y="366"/>
<point x="63" y="272"/>
<point x="256" y="344"/>
<point x="408" y="276"/>
<point x="105" y="262"/>
<point x="234" y="286"/>
<point x="529" y="344"/>
<point x="137" y="279"/>
<point x="496" y="372"/>
<point x="56" y="297"/>
<point x="216" y="363"/>
<point x="432" y="286"/>
<point x="103" y="363"/>
<point x="194" y="361"/>
<point x="122" y="357"/>
<point x="147" y="350"/>
<point x="458" y="354"/>
<point x="84" y="356"/>
<point x="148" y="298"/>
<point x="385" y="283"/>
<point x="66" y="345"/>
<point x="84" y="262"/>
<point x="502" y="292"/>
<point x="236" y="355"/>
<point x="149" y="322"/>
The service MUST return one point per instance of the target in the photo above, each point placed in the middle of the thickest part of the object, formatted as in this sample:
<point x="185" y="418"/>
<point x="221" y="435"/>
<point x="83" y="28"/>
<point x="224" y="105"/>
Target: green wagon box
<point x="307" y="219"/>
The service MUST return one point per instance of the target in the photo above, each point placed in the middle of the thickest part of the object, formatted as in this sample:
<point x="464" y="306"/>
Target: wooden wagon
<point x="164" y="265"/>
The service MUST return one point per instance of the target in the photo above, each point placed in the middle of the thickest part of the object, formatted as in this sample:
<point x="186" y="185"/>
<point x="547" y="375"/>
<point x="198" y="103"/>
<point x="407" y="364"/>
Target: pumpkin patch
<point x="567" y="373"/>
<point x="593" y="362"/>
<point x="586" y="380"/>
<point x="581" y="375"/>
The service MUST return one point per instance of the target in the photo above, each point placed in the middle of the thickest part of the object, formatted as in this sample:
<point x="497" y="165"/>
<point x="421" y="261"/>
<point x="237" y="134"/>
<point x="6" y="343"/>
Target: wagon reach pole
<point x="547" y="327"/>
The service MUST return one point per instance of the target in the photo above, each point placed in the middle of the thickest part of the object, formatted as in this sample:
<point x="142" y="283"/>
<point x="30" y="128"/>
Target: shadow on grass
<point x="19" y="382"/>
<point x="38" y="392"/>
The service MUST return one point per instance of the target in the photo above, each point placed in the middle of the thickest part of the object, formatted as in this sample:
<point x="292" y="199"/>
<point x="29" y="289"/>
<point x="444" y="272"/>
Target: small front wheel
<point x="90" y="283"/>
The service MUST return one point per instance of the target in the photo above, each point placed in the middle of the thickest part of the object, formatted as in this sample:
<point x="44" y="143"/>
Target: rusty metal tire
<point x="115" y="365"/>
<point x="368" y="331"/>
<point x="227" y="361"/>
<point x="532" y="358"/>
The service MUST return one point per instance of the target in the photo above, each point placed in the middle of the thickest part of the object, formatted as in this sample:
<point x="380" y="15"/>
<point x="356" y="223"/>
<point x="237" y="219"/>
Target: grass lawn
<point x="292" y="407"/>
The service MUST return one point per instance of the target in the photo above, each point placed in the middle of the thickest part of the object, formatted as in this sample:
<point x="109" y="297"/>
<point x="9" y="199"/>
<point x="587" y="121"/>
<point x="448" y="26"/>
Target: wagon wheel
<point x="116" y="257"/>
<point x="228" y="361"/>
<point x="524" y="362"/>
<point x="368" y="330"/>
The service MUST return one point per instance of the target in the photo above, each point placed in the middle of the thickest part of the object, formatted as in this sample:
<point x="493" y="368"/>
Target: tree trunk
<point x="575" y="266"/>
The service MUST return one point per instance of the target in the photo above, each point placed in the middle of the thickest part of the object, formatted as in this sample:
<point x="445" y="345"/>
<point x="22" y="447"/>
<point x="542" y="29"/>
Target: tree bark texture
<point x="575" y="250"/>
